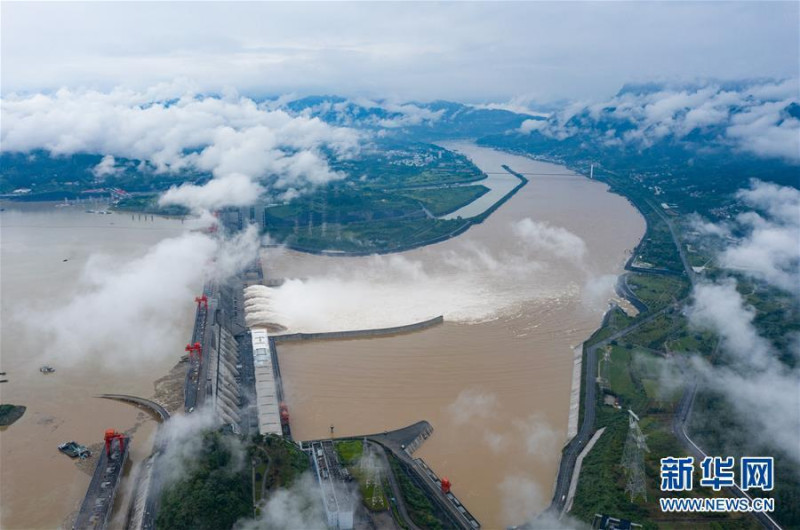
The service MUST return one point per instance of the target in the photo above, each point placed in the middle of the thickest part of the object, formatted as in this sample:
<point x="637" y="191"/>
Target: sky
<point x="470" y="52"/>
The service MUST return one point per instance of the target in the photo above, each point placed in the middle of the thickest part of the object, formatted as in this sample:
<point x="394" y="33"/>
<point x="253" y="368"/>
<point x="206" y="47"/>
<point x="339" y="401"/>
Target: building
<point x="606" y="522"/>
<point x="267" y="401"/>
<point x="333" y="481"/>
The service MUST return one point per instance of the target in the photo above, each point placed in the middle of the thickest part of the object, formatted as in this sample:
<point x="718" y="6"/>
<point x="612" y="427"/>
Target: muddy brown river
<point x="44" y="252"/>
<point x="518" y="292"/>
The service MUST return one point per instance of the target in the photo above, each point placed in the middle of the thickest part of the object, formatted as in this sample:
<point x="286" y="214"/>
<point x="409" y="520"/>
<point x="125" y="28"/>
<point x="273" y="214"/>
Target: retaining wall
<point x="361" y="333"/>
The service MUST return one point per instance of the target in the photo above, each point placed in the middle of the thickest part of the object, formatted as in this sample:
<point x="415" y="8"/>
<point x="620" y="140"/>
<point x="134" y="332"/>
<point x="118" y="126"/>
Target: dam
<point x="95" y="511"/>
<point x="267" y="397"/>
<point x="518" y="292"/>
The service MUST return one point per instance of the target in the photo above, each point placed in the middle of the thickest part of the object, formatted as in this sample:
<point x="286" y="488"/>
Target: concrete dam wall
<point x="361" y="333"/>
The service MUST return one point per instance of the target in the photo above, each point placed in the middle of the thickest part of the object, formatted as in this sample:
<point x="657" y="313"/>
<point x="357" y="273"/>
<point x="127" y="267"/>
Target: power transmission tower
<point x="633" y="458"/>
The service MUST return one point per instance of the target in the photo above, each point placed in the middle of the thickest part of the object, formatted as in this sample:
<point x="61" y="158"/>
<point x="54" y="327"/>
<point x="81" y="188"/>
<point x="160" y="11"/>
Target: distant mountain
<point x="419" y="121"/>
<point x="676" y="123"/>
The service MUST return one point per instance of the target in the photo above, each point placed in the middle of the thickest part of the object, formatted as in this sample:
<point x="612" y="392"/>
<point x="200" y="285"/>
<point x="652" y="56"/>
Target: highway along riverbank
<point x="517" y="292"/>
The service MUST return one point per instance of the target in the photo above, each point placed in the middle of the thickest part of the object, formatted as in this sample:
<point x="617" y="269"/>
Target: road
<point x="681" y="252"/>
<point x="586" y="430"/>
<point x="574" y="447"/>
<point x="624" y="290"/>
<point x="399" y="442"/>
<point x="398" y="497"/>
<point x="679" y="421"/>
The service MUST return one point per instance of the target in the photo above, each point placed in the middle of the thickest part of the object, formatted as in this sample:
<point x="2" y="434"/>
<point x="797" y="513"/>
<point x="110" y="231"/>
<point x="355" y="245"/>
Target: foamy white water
<point x="518" y="292"/>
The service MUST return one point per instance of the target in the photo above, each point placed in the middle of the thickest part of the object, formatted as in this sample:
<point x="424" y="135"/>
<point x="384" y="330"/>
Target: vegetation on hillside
<point x="217" y="488"/>
<point x="214" y="492"/>
<point x="420" y="508"/>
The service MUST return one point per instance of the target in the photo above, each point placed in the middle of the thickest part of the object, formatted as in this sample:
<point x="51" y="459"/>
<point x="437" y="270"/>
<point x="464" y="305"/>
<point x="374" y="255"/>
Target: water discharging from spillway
<point x="517" y="292"/>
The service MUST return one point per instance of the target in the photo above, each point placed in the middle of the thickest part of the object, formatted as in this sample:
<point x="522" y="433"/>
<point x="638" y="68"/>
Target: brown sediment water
<point x="517" y="293"/>
<point x="493" y="380"/>
<point x="39" y="486"/>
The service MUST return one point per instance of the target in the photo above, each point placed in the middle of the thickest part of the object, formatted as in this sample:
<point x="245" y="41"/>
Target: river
<point x="44" y="251"/>
<point x="500" y="183"/>
<point x="518" y="292"/>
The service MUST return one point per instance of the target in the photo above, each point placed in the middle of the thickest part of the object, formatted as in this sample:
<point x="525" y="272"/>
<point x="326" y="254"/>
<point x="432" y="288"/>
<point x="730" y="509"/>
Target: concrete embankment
<point x="95" y="511"/>
<point x="489" y="211"/>
<point x="361" y="333"/>
<point x="153" y="406"/>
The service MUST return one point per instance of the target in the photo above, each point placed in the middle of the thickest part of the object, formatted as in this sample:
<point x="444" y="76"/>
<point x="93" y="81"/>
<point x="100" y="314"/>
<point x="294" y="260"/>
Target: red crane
<point x="445" y="485"/>
<point x="201" y="300"/>
<point x="112" y="435"/>
<point x="284" y="414"/>
<point x="195" y="349"/>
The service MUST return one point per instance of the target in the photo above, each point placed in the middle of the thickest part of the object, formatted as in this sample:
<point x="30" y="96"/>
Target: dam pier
<point x="233" y="371"/>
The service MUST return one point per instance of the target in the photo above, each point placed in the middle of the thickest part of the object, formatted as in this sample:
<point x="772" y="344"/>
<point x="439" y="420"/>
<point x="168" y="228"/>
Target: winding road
<point x="575" y="446"/>
<point x="681" y="417"/>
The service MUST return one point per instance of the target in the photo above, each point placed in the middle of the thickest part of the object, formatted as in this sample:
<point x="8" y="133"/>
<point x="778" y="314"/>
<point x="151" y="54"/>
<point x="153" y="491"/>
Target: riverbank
<point x="467" y="224"/>
<point x="512" y="314"/>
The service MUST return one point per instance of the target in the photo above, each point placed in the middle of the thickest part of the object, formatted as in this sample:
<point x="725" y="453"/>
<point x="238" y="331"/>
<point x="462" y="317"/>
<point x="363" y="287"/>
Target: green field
<point x="442" y="201"/>
<point x="349" y="451"/>
<point x="371" y="236"/>
<point x="370" y="485"/>
<point x="149" y="204"/>
<point x="387" y="202"/>
<point x="277" y="464"/>
<point x="657" y="290"/>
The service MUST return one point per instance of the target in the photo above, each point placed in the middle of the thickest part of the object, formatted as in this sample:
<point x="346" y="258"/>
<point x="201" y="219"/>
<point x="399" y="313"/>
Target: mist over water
<point x="517" y="292"/>
<point x="467" y="282"/>
<point x="50" y="266"/>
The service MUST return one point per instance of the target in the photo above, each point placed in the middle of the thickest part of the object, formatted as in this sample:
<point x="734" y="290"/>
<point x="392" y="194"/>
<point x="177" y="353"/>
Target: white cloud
<point x="293" y="508"/>
<point x="172" y="129"/>
<point x="522" y="499"/>
<point x="529" y="126"/>
<point x="106" y="167"/>
<point x="231" y="190"/>
<point x="721" y="308"/>
<point x="598" y="290"/>
<point x="524" y="104"/>
<point x="764" y="392"/>
<point x="124" y="314"/>
<point x="705" y="228"/>
<point x="552" y="239"/>
<point x="467" y="51"/>
<point x="183" y="437"/>
<point x="472" y="404"/>
<point x="751" y="118"/>
<point x="539" y="438"/>
<point x="465" y="283"/>
<point x="770" y="249"/>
